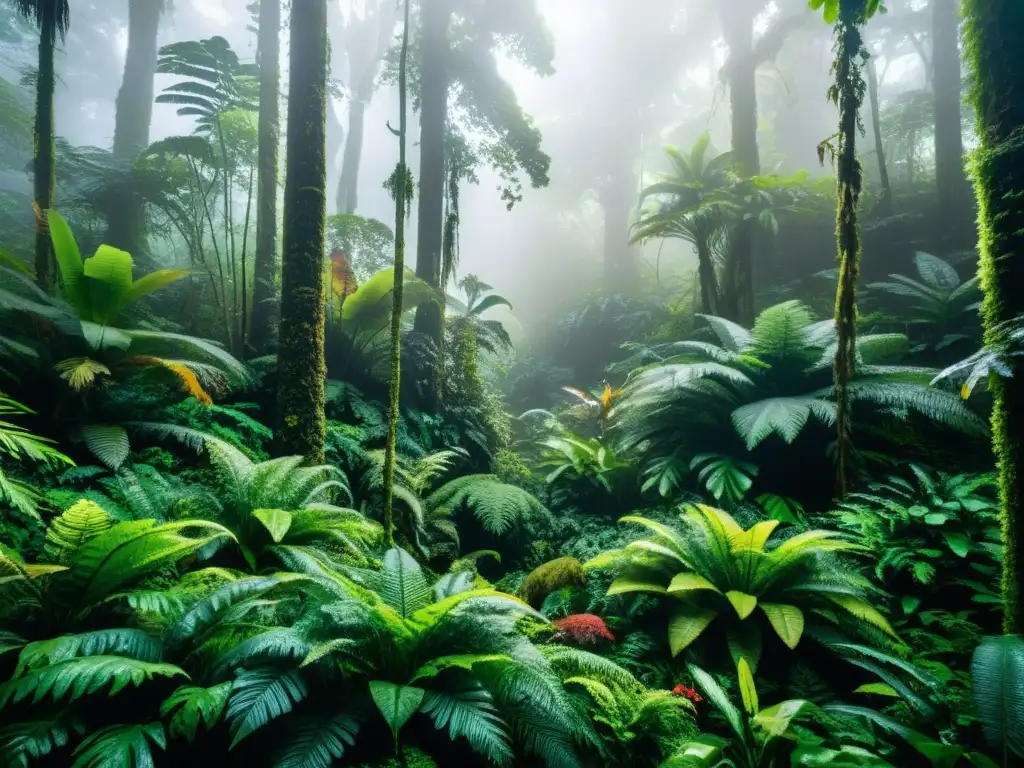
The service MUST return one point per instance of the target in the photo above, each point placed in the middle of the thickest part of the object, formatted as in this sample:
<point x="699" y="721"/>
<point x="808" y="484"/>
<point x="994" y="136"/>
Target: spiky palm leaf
<point x="715" y="570"/>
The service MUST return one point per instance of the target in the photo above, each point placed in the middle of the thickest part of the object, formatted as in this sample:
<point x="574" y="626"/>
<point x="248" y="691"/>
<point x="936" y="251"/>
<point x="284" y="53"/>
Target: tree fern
<point x="497" y="505"/>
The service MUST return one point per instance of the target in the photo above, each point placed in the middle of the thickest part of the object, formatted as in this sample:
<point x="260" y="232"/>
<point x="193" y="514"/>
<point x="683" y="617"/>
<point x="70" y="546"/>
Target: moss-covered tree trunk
<point x="434" y="82"/>
<point x="950" y="179"/>
<point x="994" y="39"/>
<point x="300" y="355"/>
<point x="737" y="18"/>
<point x="885" y="194"/>
<point x="44" y="162"/>
<point x="265" y="264"/>
<point x="132" y="120"/>
<point x="848" y="92"/>
<point x="401" y="190"/>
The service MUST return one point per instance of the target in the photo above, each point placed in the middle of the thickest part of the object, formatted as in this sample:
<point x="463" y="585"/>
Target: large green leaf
<point x="776" y="719"/>
<point x="396" y="702"/>
<point x="748" y="691"/>
<point x="148" y="284"/>
<point x="689" y="582"/>
<point x="108" y="275"/>
<point x="936" y="273"/>
<point x="719" y="698"/>
<point x="69" y="260"/>
<point x="997" y="677"/>
<point x="686" y="624"/>
<point x="402" y="583"/>
<point x="786" y="620"/>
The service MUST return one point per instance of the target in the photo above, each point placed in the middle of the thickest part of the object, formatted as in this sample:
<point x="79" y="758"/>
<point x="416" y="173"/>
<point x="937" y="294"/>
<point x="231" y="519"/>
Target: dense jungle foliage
<point x="736" y="483"/>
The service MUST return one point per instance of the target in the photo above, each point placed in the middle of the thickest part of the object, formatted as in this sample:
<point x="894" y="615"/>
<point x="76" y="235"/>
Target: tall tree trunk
<point x="434" y="81"/>
<point x="400" y="190"/>
<point x="950" y="178"/>
<point x="738" y="25"/>
<point x="133" y="117"/>
<point x="707" y="279"/>
<point x="994" y="37"/>
<point x="300" y="355"/>
<point x="849" y="174"/>
<point x="885" y="198"/>
<point x="44" y="164"/>
<point x="265" y="264"/>
<point x="348" y="187"/>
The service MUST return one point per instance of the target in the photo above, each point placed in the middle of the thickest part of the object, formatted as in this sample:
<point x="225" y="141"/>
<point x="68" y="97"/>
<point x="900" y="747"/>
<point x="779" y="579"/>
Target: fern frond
<point x="78" y="677"/>
<point x="120" y="745"/>
<point x="259" y="696"/>
<point x="132" y="643"/>
<point x="191" y="706"/>
<point x="318" y="742"/>
<point x="497" y="505"/>
<point x="71" y="530"/>
<point x="470" y="713"/>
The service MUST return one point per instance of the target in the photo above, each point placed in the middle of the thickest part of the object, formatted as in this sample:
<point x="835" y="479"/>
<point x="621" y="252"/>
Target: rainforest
<point x="514" y="383"/>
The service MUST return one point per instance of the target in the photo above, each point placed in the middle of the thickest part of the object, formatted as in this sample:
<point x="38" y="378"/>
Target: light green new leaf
<point x="276" y="521"/>
<point x="775" y="720"/>
<point x="690" y="582"/>
<point x="624" y="584"/>
<point x="748" y="691"/>
<point x="743" y="603"/>
<point x="878" y="689"/>
<point x="686" y="624"/>
<point x="787" y="621"/>
<point x="403" y="585"/>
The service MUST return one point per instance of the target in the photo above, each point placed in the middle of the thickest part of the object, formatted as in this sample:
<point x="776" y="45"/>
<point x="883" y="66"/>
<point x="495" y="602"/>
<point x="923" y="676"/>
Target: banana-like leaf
<point x="997" y="676"/>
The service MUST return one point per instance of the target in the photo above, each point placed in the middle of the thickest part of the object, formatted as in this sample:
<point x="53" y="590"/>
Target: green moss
<point x="545" y="579"/>
<point x="300" y="357"/>
<point x="993" y="39"/>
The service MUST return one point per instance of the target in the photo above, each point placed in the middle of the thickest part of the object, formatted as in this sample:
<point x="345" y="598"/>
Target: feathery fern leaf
<point x="117" y="746"/>
<point x="497" y="505"/>
<point x="192" y="706"/>
<point x="260" y="695"/>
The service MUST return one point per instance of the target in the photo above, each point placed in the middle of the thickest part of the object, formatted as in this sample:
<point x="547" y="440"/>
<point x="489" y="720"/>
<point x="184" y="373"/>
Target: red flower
<point x="689" y="693"/>
<point x="584" y="628"/>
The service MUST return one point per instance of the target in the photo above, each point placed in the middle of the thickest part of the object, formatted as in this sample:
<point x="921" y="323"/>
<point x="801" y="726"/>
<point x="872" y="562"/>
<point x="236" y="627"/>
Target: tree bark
<point x="434" y="83"/>
<point x="395" y="383"/>
<point x="885" y="198"/>
<point x="44" y="166"/>
<point x="348" y="187"/>
<point x="133" y="118"/>
<point x="265" y="264"/>
<point x="994" y="37"/>
<point x="738" y="26"/>
<point x="300" y="356"/>
<point x="849" y="176"/>
<point x="950" y="179"/>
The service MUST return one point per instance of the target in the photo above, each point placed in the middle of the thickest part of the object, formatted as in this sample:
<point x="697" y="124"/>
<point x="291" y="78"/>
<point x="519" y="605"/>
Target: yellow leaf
<point x="81" y="372"/>
<point x="748" y="691"/>
<point x="35" y="571"/>
<point x="690" y="582"/>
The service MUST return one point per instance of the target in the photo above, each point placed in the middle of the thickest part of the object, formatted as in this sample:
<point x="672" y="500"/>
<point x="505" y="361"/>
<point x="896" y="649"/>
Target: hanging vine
<point x="847" y="92"/>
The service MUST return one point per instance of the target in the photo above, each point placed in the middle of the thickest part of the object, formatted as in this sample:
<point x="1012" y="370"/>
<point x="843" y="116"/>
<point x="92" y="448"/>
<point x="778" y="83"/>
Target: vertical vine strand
<point x="400" y="191"/>
<point x="848" y="93"/>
